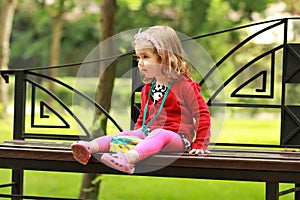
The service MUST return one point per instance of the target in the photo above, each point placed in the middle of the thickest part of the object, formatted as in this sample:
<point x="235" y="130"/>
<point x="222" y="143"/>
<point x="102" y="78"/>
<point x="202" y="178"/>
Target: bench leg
<point x="272" y="190"/>
<point x="297" y="192"/>
<point x="17" y="179"/>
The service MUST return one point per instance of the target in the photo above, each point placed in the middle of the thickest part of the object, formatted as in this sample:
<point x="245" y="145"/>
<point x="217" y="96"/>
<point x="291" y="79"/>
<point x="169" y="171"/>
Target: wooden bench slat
<point x="25" y="143"/>
<point x="258" y="154"/>
<point x="284" y="161"/>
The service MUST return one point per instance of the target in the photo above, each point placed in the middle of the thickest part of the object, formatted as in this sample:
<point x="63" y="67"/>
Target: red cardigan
<point x="184" y="111"/>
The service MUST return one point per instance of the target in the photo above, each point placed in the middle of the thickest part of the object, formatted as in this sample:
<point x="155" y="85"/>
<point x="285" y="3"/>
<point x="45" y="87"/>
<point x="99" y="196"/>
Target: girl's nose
<point x="141" y="62"/>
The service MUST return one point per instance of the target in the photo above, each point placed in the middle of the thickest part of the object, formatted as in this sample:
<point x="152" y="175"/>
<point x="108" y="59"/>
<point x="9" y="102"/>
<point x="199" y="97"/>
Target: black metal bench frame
<point x="269" y="166"/>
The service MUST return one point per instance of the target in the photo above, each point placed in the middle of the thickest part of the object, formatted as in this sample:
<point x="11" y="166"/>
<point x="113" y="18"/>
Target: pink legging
<point x="155" y="141"/>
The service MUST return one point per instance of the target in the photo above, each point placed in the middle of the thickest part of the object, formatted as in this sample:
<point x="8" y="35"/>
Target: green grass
<point x="255" y="131"/>
<point x="114" y="187"/>
<point x="148" y="188"/>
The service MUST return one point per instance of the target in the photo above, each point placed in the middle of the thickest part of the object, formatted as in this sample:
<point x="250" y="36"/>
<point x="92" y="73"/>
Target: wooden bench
<point x="269" y="166"/>
<point x="226" y="162"/>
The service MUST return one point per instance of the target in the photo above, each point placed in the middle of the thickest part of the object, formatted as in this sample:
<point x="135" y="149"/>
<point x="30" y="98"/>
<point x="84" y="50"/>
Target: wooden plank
<point x="205" y="169"/>
<point x="35" y="153"/>
<point x="282" y="161"/>
<point x="275" y="164"/>
<point x="37" y="144"/>
<point x="282" y="154"/>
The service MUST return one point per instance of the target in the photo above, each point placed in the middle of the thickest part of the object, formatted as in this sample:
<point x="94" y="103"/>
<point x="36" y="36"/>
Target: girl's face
<point x="148" y="62"/>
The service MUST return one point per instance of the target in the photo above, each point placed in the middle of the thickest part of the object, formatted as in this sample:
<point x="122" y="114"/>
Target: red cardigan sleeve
<point x="201" y="116"/>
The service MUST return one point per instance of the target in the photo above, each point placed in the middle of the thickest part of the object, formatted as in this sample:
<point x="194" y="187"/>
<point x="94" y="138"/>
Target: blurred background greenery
<point x="34" y="20"/>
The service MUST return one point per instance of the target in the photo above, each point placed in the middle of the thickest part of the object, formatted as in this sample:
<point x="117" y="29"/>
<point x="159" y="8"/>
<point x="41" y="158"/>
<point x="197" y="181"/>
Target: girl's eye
<point x="137" y="58"/>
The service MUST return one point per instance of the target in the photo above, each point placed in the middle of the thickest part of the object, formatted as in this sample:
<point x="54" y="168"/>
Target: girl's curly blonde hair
<point x="168" y="47"/>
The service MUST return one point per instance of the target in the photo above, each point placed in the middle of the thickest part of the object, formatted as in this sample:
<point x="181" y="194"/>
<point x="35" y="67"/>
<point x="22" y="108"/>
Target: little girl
<point x="173" y="114"/>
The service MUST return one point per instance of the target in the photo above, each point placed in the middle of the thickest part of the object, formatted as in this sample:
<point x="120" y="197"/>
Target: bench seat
<point x="222" y="163"/>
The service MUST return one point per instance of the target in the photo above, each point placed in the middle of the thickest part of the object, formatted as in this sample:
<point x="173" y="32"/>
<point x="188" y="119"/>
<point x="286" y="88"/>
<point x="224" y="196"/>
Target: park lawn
<point x="135" y="187"/>
<point x="125" y="187"/>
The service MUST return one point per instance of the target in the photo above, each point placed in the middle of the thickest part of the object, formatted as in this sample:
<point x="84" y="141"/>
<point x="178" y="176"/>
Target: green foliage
<point x="33" y="21"/>
<point x="79" y="38"/>
<point x="30" y="35"/>
<point x="31" y="38"/>
<point x="248" y="7"/>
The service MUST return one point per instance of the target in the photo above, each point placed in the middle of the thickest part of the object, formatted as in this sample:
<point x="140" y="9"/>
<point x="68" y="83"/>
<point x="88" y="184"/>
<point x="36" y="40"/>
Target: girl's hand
<point x="199" y="151"/>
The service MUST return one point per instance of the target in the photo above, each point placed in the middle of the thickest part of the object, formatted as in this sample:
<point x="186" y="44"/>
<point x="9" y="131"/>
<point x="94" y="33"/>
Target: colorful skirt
<point x="123" y="143"/>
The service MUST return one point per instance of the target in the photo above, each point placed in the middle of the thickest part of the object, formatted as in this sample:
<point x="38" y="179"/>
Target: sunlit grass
<point x="253" y="131"/>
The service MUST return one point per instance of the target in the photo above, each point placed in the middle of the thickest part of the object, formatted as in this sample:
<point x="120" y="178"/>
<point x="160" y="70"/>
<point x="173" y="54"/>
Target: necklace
<point x="145" y="127"/>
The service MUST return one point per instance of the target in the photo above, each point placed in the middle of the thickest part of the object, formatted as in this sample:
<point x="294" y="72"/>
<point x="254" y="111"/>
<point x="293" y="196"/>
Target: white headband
<point x="143" y="35"/>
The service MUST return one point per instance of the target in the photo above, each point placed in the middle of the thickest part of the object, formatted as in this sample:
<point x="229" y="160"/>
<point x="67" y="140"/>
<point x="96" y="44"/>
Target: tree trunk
<point x="7" y="10"/>
<point x="104" y="88"/>
<point x="55" y="44"/>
